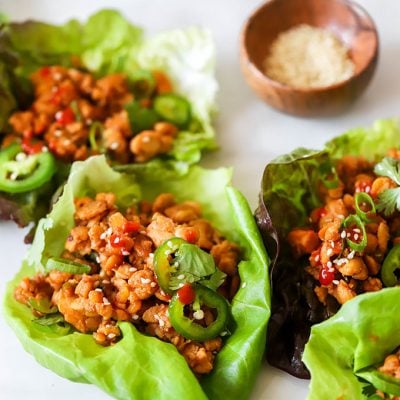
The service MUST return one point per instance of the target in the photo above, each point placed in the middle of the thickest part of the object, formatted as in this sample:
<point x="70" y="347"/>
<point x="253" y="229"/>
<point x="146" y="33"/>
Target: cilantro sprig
<point x="389" y="199"/>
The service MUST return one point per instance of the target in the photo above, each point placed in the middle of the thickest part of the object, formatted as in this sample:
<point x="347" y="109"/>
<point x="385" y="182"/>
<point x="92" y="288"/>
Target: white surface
<point x="250" y="135"/>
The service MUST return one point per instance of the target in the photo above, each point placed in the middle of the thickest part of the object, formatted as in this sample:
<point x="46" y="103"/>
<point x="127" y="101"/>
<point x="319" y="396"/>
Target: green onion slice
<point x="69" y="266"/>
<point x="364" y="198"/>
<point x="354" y="221"/>
<point x="329" y="176"/>
<point x="95" y="128"/>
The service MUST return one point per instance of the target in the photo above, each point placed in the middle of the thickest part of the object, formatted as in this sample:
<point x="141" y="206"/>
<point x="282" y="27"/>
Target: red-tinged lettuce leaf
<point x="77" y="357"/>
<point x="289" y="193"/>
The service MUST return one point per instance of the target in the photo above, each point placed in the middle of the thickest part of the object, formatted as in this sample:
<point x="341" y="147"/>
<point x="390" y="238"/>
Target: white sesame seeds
<point x="145" y="281"/>
<point x="223" y="333"/>
<point x="111" y="335"/>
<point x="153" y="284"/>
<point x="176" y="264"/>
<point x="117" y="240"/>
<point x="98" y="290"/>
<point x="114" y="145"/>
<point x="103" y="235"/>
<point x="181" y="276"/>
<point x="357" y="230"/>
<point x="367" y="189"/>
<point x="181" y="285"/>
<point x="356" y="236"/>
<point x="316" y="258"/>
<point x="244" y="285"/>
<point x="332" y="244"/>
<point x="340" y="216"/>
<point x="20" y="156"/>
<point x="329" y="264"/>
<point x="105" y="301"/>
<point x="125" y="253"/>
<point x="343" y="234"/>
<point x="199" y="314"/>
<point x="151" y="255"/>
<point x="340" y="261"/>
<point x="98" y="259"/>
<point x="135" y="317"/>
<point x="146" y="139"/>
<point x="132" y="269"/>
<point x="14" y="176"/>
<point x="335" y="282"/>
<point x="329" y="252"/>
<point x="45" y="149"/>
<point x="351" y="255"/>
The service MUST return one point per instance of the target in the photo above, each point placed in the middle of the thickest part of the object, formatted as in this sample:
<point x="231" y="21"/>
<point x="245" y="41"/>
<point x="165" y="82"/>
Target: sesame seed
<point x="105" y="301"/>
<point x="103" y="235"/>
<point x="125" y="253"/>
<point x="132" y="269"/>
<point x="14" y="176"/>
<point x="367" y="189"/>
<point x="332" y="243"/>
<point x="98" y="290"/>
<point x="135" y="317"/>
<point x="111" y="335"/>
<point x="176" y="264"/>
<point x="145" y="281"/>
<point x="117" y="240"/>
<point x="151" y="255"/>
<point x="145" y="139"/>
<point x="45" y="149"/>
<point x="181" y="276"/>
<point x="109" y="231"/>
<point x="20" y="156"/>
<point x="244" y="285"/>
<point x="161" y="322"/>
<point x="335" y="282"/>
<point x="329" y="264"/>
<point x="199" y="314"/>
<point x="348" y="234"/>
<point x="343" y="234"/>
<point x="329" y="252"/>
<point x="98" y="259"/>
<point x="351" y="255"/>
<point x="181" y="285"/>
<point x="153" y="284"/>
<point x="316" y="258"/>
<point x="224" y="333"/>
<point x="357" y="230"/>
<point x="114" y="145"/>
<point x="356" y="236"/>
<point x="340" y="216"/>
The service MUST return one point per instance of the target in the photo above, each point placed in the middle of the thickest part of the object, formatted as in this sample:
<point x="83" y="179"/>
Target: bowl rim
<point x="282" y="86"/>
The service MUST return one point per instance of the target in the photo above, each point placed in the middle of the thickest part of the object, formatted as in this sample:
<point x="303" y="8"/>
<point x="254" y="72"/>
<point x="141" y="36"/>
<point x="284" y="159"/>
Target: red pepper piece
<point x="65" y="116"/>
<point x="186" y="294"/>
<point x="326" y="276"/>
<point x="191" y="236"/>
<point x="131" y="226"/>
<point x="30" y="147"/>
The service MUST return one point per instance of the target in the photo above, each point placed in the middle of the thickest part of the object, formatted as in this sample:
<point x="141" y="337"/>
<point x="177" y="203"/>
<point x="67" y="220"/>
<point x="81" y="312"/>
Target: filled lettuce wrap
<point x="306" y="203"/>
<point x="75" y="90"/>
<point x="138" y="365"/>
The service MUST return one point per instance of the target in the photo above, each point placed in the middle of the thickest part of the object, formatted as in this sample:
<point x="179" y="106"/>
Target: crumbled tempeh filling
<point x="122" y="284"/>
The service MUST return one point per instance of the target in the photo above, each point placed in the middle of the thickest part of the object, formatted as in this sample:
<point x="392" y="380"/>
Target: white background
<point x="249" y="132"/>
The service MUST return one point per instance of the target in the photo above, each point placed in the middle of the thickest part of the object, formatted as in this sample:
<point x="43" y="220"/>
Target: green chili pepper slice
<point x="361" y="198"/>
<point x="27" y="173"/>
<point x="162" y="267"/>
<point x="189" y="328"/>
<point x="350" y="222"/>
<point x="65" y="265"/>
<point x="390" y="272"/>
<point x="172" y="108"/>
<point x="140" y="118"/>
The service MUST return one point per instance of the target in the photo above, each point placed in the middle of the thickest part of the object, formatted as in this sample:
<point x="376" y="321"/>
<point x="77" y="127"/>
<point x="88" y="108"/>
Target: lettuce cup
<point x="158" y="278"/>
<point x="330" y="222"/>
<point x="72" y="91"/>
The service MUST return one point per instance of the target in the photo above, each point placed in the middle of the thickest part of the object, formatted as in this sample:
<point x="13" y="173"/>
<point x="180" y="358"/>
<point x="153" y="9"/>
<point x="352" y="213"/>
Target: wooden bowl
<point x="344" y="18"/>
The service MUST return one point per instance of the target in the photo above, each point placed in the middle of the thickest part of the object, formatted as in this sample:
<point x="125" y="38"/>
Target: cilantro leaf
<point x="215" y="280"/>
<point x="390" y="168"/>
<point x="389" y="201"/>
<point x="192" y="259"/>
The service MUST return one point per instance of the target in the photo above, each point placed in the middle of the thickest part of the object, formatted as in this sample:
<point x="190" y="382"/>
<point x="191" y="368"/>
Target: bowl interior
<point x="349" y="22"/>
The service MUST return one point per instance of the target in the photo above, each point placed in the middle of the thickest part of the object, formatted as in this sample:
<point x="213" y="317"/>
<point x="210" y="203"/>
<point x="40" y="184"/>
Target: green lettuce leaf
<point x="352" y="344"/>
<point x="140" y="364"/>
<point x="289" y="193"/>
<point x="188" y="56"/>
